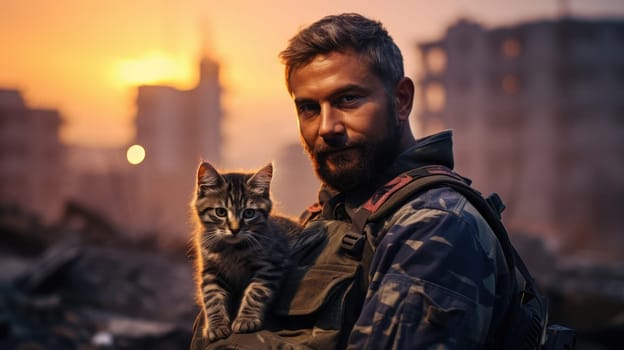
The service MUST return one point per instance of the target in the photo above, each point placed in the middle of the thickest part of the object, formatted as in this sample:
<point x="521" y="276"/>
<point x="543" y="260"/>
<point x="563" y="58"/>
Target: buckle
<point x="353" y="244"/>
<point x="495" y="202"/>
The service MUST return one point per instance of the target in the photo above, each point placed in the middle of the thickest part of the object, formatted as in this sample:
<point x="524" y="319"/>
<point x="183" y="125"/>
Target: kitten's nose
<point x="234" y="227"/>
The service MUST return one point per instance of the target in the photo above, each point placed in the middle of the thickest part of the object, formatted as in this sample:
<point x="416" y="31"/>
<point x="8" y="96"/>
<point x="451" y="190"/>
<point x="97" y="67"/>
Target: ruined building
<point x="177" y="128"/>
<point x="537" y="110"/>
<point x="31" y="157"/>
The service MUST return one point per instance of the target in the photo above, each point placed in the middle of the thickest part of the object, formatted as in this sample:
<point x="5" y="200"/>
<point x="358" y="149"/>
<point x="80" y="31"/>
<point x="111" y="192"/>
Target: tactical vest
<point x="324" y="290"/>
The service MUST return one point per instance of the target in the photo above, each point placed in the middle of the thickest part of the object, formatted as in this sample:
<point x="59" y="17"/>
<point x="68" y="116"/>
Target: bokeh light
<point x="135" y="154"/>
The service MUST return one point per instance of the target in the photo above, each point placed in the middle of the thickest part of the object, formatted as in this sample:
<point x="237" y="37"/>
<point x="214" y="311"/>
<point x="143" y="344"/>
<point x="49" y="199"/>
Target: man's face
<point x="347" y="122"/>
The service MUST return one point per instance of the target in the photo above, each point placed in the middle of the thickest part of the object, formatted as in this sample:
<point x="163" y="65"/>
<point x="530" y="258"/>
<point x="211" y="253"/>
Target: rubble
<point x="584" y="295"/>
<point x="69" y="287"/>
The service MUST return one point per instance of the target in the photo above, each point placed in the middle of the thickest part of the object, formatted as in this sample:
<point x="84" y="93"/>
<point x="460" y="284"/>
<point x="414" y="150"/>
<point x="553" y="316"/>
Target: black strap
<point x="389" y="198"/>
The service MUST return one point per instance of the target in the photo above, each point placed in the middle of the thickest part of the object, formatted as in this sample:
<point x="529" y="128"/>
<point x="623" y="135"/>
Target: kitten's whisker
<point x="209" y="238"/>
<point x="254" y="243"/>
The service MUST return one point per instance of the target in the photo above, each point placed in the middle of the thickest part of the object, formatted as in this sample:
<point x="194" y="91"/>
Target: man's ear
<point x="404" y="98"/>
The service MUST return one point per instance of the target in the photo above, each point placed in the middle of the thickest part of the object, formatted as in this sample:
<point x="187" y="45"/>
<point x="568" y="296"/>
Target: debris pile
<point x="585" y="295"/>
<point x="63" y="288"/>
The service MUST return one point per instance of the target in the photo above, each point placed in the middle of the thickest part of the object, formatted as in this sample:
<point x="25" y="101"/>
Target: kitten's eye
<point x="221" y="212"/>
<point x="249" y="213"/>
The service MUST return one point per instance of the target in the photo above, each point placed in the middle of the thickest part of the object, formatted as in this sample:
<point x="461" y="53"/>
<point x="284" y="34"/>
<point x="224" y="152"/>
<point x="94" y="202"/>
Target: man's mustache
<point x="325" y="149"/>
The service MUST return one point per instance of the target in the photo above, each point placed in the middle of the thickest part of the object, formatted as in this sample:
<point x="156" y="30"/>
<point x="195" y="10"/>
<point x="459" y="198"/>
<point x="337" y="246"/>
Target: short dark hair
<point x="340" y="33"/>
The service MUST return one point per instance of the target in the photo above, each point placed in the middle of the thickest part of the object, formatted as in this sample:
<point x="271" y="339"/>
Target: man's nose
<point x="332" y="123"/>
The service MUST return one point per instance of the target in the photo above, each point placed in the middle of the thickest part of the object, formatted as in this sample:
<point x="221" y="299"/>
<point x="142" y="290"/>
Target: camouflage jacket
<point x="438" y="278"/>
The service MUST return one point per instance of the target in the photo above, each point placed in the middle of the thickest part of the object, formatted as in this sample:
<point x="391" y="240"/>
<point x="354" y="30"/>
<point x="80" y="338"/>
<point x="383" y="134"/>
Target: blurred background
<point x="106" y="109"/>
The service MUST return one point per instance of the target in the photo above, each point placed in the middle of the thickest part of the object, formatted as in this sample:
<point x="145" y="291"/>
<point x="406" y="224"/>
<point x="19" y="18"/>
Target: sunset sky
<point x="85" y="57"/>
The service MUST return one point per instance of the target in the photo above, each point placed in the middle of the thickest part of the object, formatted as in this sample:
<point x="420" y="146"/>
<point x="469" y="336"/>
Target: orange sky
<point x="84" y="57"/>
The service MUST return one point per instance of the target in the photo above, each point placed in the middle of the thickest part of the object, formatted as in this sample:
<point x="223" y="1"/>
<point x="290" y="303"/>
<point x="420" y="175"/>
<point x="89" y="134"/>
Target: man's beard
<point x="357" y="162"/>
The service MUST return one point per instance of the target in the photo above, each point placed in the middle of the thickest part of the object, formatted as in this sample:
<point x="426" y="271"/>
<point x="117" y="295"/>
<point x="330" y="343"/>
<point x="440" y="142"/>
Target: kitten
<point x="241" y="252"/>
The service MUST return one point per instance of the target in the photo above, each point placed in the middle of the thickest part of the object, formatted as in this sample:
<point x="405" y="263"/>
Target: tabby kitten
<point x="241" y="251"/>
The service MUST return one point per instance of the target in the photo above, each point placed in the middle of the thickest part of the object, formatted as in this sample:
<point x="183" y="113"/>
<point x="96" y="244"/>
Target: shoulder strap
<point x="394" y="194"/>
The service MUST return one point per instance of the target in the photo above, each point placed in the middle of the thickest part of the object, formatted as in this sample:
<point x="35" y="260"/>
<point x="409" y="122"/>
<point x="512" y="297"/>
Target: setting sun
<point x="155" y="68"/>
<point x="135" y="154"/>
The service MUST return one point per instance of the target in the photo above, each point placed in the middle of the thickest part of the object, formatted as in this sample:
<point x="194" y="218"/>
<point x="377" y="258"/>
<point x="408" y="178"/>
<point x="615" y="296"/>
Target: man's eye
<point x="307" y="109"/>
<point x="348" y="99"/>
<point x="221" y="212"/>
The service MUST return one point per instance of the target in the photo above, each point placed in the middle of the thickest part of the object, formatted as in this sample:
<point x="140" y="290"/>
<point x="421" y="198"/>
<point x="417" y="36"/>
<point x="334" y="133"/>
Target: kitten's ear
<point x="260" y="182"/>
<point x="208" y="178"/>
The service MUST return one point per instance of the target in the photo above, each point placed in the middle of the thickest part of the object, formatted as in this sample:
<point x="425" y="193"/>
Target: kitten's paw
<point x="217" y="332"/>
<point x="246" y="325"/>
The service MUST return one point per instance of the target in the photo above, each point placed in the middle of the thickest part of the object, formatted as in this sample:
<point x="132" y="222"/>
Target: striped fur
<point x="241" y="251"/>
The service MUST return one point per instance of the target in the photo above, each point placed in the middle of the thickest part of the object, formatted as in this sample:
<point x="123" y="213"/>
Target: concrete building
<point x="31" y="157"/>
<point x="177" y="128"/>
<point x="537" y="110"/>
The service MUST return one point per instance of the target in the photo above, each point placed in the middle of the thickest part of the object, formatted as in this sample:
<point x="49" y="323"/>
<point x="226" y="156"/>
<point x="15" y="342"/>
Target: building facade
<point x="537" y="110"/>
<point x="177" y="128"/>
<point x="31" y="157"/>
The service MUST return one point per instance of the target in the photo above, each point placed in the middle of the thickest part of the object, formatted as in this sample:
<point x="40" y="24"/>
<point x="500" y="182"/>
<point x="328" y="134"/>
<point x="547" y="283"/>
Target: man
<point x="437" y="278"/>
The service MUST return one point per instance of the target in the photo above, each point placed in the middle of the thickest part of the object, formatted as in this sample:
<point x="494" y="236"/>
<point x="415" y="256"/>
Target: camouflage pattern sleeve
<point x="433" y="278"/>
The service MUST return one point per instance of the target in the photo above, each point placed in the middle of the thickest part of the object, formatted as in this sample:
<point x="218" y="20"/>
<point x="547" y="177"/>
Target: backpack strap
<point x="395" y="192"/>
